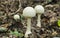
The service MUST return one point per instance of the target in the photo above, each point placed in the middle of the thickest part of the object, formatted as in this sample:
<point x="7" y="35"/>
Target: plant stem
<point x="39" y="20"/>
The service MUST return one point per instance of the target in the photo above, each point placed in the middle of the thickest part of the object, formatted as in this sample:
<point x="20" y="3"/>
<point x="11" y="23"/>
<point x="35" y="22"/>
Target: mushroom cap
<point x="39" y="9"/>
<point x="16" y="17"/>
<point x="29" y="12"/>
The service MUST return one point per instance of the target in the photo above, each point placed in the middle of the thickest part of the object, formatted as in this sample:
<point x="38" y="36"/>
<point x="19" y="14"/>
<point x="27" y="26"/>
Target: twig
<point x="19" y="6"/>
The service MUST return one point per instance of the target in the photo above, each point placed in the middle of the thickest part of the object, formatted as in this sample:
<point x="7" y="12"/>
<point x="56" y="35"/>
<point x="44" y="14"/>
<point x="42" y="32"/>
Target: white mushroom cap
<point x="39" y="9"/>
<point x="29" y="12"/>
<point x="16" y="17"/>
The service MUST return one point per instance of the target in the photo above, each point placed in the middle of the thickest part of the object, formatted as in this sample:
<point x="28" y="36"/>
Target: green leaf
<point x="16" y="33"/>
<point x="49" y="1"/>
<point x="22" y="17"/>
<point x="12" y="33"/>
<point x="21" y="34"/>
<point x="58" y="23"/>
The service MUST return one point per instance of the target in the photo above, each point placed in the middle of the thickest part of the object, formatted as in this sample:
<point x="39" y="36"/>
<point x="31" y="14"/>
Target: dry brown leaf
<point x="54" y="33"/>
<point x="5" y="25"/>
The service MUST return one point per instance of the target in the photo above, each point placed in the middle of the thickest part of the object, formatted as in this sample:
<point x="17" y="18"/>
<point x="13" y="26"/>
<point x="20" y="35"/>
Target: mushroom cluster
<point x="30" y="12"/>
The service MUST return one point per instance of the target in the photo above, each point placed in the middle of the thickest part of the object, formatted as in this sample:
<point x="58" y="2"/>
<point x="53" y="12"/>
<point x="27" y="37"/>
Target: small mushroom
<point x="16" y="17"/>
<point x="39" y="10"/>
<point x="28" y="12"/>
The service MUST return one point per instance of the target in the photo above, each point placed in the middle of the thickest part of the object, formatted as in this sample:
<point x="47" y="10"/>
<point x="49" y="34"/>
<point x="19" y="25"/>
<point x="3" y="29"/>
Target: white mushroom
<point x="28" y="12"/>
<point x="16" y="17"/>
<point x="39" y="10"/>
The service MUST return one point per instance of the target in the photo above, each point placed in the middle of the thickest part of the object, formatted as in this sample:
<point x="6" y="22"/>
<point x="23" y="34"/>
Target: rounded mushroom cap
<point x="16" y="17"/>
<point x="39" y="9"/>
<point x="29" y="12"/>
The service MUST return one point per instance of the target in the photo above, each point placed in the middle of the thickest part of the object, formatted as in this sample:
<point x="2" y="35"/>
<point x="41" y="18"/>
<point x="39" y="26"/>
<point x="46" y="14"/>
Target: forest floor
<point x="10" y="28"/>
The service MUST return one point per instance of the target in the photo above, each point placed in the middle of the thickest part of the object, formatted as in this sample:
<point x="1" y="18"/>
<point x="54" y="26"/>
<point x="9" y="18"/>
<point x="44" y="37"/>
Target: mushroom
<point x="39" y="10"/>
<point x="28" y="12"/>
<point x="16" y="17"/>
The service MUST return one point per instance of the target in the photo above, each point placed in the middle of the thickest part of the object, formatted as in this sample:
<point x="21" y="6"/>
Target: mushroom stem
<point x="38" y="20"/>
<point x="28" y="31"/>
<point x="29" y="25"/>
